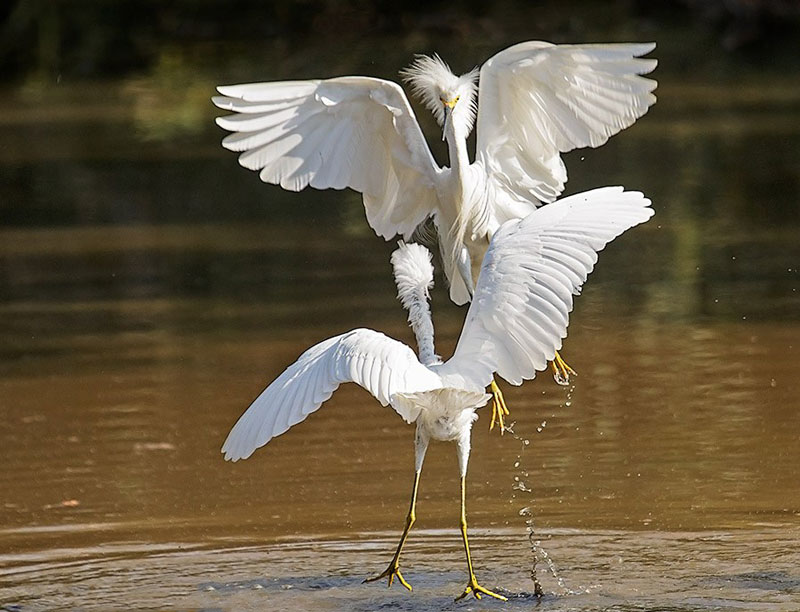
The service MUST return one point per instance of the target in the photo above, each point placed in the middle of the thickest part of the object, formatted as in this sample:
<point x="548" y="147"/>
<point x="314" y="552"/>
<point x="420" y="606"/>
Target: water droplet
<point x="561" y="379"/>
<point x="773" y="383"/>
<point x="516" y="464"/>
<point x="568" y="403"/>
<point x="526" y="511"/>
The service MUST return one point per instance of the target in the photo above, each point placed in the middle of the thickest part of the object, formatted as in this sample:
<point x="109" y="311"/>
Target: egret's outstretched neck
<point x="413" y="273"/>
<point x="456" y="134"/>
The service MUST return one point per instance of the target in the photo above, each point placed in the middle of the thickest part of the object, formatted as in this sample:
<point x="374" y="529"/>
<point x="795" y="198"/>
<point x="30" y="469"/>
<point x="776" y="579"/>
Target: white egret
<point x="514" y="325"/>
<point x="536" y="100"/>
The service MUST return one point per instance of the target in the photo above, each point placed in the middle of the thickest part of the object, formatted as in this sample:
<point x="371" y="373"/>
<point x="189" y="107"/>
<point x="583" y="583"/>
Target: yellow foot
<point x="390" y="572"/>
<point x="478" y="591"/>
<point x="561" y="370"/>
<point x="499" y="408"/>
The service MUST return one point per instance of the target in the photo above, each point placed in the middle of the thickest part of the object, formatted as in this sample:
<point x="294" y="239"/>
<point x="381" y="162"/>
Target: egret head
<point x="447" y="96"/>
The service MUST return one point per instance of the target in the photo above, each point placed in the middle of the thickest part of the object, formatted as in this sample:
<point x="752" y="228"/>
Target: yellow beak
<point x="450" y="103"/>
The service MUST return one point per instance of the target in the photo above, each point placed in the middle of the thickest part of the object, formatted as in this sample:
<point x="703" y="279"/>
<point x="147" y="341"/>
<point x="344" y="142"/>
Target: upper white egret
<point x="536" y="100"/>
<point x="514" y="325"/>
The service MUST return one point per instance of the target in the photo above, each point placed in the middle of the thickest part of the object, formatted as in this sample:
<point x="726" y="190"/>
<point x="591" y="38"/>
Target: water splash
<point x="538" y="553"/>
<point x="561" y="378"/>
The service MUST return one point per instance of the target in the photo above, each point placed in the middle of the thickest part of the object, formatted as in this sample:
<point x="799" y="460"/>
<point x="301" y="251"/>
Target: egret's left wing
<point x="381" y="365"/>
<point x="537" y="100"/>
<point x="353" y="131"/>
<point x="520" y="310"/>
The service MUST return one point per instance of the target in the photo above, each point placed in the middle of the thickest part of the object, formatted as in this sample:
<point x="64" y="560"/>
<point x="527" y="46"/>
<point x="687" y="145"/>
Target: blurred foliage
<point x="94" y="38"/>
<point x="171" y="100"/>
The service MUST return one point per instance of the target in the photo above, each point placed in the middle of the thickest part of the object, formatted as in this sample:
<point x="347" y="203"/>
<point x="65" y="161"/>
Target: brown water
<point x="150" y="288"/>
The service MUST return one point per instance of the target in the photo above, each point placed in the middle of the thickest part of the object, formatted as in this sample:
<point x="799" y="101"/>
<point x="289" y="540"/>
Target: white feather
<point x="520" y="310"/>
<point x="413" y="274"/>
<point x="356" y="132"/>
<point x="538" y="100"/>
<point x="361" y="356"/>
<point x="432" y="80"/>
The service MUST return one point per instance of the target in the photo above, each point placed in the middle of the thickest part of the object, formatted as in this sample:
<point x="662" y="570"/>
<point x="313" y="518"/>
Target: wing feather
<point x="377" y="363"/>
<point x="537" y="100"/>
<point x="277" y="91"/>
<point x="520" y="311"/>
<point x="252" y="122"/>
<point x="335" y="176"/>
<point x="355" y="132"/>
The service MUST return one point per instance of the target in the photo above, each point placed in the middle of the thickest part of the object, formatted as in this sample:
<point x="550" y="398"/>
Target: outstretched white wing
<point x="537" y="100"/>
<point x="356" y="132"/>
<point x="520" y="310"/>
<point x="379" y="364"/>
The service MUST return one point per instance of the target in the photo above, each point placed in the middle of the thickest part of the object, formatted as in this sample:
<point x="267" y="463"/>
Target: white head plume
<point x="413" y="273"/>
<point x="432" y="80"/>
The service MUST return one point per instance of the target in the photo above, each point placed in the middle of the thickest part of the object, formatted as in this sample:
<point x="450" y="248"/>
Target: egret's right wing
<point x="356" y="132"/>
<point x="379" y="364"/>
<point x="520" y="310"/>
<point x="537" y="100"/>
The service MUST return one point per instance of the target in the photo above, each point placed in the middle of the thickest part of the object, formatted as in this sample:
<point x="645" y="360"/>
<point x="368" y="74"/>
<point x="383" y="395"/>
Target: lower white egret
<point x="536" y="100"/>
<point x="514" y="325"/>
